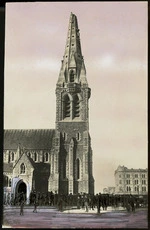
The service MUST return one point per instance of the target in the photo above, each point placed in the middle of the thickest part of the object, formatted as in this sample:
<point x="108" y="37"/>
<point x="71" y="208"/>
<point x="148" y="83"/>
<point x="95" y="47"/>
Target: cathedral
<point x="60" y="159"/>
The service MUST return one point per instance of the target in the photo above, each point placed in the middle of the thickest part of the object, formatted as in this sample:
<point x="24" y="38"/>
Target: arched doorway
<point x="22" y="187"/>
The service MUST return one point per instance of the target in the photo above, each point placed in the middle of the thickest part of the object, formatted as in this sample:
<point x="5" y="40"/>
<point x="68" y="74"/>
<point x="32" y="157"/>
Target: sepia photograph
<point x="75" y="137"/>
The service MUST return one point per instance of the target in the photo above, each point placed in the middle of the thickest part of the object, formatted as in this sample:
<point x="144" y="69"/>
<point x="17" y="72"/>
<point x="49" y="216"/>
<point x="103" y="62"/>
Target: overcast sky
<point x="114" y="45"/>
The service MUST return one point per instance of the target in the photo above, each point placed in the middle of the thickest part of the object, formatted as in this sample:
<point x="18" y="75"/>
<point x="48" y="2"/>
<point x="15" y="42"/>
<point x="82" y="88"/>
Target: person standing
<point x="78" y="202"/>
<point x="35" y="205"/>
<point x="86" y="203"/>
<point x="22" y="201"/>
<point x="21" y="207"/>
<point x="99" y="202"/>
<point x="60" y="203"/>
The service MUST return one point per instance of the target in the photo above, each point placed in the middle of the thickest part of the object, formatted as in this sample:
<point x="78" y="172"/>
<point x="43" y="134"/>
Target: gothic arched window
<point x="9" y="157"/>
<point x="76" y="106"/>
<point x="12" y="156"/>
<point x="78" y="169"/>
<point x="35" y="156"/>
<point x="128" y="189"/>
<point x="22" y="168"/>
<point x="46" y="156"/>
<point x="66" y="106"/>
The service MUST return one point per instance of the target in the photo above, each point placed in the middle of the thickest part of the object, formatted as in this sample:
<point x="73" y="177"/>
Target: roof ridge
<point x="27" y="129"/>
<point x="28" y="138"/>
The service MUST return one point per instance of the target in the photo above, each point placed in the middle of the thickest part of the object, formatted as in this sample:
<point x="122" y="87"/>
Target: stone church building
<point x="60" y="159"/>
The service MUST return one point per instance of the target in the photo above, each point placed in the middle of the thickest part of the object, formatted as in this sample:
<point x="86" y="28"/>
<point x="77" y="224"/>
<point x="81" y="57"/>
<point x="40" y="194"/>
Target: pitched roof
<point x="8" y="167"/>
<point x="31" y="162"/>
<point x="28" y="138"/>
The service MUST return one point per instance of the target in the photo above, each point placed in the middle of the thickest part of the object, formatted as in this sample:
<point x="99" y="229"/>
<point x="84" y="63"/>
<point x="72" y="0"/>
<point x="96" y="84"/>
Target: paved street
<point x="52" y="218"/>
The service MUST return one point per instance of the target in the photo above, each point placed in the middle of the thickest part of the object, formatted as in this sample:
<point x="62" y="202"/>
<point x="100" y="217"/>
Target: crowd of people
<point x="80" y="201"/>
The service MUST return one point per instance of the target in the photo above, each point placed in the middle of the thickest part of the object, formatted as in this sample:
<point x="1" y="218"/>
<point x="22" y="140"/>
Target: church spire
<point x="73" y="47"/>
<point x="72" y="63"/>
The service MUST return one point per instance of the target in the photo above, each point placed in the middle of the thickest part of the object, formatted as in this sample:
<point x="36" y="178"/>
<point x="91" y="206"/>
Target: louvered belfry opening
<point x="76" y="106"/>
<point x="67" y="106"/>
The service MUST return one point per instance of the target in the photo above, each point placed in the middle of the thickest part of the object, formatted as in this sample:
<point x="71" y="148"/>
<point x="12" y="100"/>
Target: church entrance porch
<point x="19" y="186"/>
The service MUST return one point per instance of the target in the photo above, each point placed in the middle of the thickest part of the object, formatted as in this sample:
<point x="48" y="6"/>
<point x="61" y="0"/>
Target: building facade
<point x="131" y="181"/>
<point x="109" y="190"/>
<point x="60" y="159"/>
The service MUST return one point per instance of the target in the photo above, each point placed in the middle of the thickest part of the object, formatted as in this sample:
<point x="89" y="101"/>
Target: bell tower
<point x="72" y="152"/>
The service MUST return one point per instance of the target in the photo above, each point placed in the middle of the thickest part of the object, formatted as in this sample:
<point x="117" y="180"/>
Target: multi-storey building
<point x="60" y="159"/>
<point x="131" y="181"/>
<point x="109" y="190"/>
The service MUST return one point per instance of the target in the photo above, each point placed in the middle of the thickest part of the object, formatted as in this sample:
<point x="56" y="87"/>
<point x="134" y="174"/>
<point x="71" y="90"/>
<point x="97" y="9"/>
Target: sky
<point x="114" y="44"/>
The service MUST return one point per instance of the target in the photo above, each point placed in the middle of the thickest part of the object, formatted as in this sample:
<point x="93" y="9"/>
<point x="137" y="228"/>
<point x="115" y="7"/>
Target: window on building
<point x="78" y="136"/>
<point x="127" y="181"/>
<point x="12" y="156"/>
<point x="128" y="175"/>
<point x="135" y="189"/>
<point x="143" y="181"/>
<point x="29" y="154"/>
<point x="128" y="189"/>
<point x="76" y="106"/>
<point x="35" y="156"/>
<point x="136" y="175"/>
<point x="120" y="181"/>
<point x="143" y="189"/>
<point x="66" y="106"/>
<point x="9" y="157"/>
<point x="119" y="175"/>
<point x="136" y="182"/>
<point x="143" y="175"/>
<point x="46" y="156"/>
<point x="78" y="169"/>
<point x="22" y="168"/>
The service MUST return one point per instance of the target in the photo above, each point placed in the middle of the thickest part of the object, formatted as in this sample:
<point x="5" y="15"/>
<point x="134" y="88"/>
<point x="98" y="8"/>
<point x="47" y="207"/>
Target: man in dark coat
<point x="21" y="201"/>
<point x="99" y="202"/>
